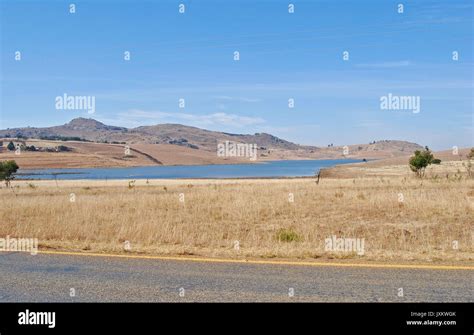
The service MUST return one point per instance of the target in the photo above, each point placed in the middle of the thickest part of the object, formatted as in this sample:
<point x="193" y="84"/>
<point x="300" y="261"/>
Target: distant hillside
<point x="95" y="131"/>
<point x="174" y="144"/>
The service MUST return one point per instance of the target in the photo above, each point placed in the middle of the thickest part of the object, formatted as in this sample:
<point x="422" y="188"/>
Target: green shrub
<point x="420" y="161"/>
<point x="11" y="146"/>
<point x="7" y="171"/>
<point x="288" y="235"/>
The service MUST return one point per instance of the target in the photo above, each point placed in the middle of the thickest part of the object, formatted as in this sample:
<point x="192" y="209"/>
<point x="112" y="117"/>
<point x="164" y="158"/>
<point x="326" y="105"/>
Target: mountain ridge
<point x="89" y="129"/>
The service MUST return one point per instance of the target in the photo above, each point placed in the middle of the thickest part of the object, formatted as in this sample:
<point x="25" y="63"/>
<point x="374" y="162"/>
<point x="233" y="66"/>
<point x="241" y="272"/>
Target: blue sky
<point x="282" y="56"/>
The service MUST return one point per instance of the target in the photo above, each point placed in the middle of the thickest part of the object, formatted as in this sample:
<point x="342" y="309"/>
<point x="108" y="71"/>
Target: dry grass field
<point x="212" y="217"/>
<point x="86" y="154"/>
<point x="451" y="166"/>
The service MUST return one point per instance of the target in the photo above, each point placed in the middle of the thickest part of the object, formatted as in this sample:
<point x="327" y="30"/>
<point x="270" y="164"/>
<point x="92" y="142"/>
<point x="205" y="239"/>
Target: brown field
<point x="215" y="214"/>
<point x="86" y="154"/>
<point x="451" y="166"/>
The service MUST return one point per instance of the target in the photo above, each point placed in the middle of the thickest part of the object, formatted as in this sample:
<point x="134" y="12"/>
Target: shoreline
<point x="53" y="174"/>
<point x="168" y="179"/>
<point x="265" y="161"/>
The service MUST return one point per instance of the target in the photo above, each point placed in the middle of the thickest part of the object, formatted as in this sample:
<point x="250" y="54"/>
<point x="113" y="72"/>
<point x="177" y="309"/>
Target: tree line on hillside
<point x="60" y="148"/>
<point x="48" y="137"/>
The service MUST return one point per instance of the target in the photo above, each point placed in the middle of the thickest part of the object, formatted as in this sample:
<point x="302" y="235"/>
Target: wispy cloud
<point x="136" y="117"/>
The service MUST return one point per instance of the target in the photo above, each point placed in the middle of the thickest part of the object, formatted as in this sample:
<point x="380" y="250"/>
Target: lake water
<point x="289" y="168"/>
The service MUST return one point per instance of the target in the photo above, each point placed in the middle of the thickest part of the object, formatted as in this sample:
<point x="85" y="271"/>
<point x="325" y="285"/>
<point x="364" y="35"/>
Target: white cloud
<point x="136" y="117"/>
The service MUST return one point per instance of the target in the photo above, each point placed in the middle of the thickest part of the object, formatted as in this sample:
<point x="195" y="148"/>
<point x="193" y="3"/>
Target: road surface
<point x="52" y="278"/>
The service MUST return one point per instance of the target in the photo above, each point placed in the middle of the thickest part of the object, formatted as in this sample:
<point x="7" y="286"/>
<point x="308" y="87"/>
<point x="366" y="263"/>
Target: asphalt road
<point x="50" y="278"/>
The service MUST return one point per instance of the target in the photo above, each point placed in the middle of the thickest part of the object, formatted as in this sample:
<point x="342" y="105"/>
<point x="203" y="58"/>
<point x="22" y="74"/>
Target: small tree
<point x="420" y="161"/>
<point x="470" y="155"/>
<point x="7" y="171"/>
<point x="468" y="165"/>
<point x="11" y="146"/>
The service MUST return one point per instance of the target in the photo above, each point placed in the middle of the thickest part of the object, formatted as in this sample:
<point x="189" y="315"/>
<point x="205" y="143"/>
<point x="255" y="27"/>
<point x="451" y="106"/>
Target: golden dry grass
<point x="217" y="213"/>
<point x="397" y="167"/>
